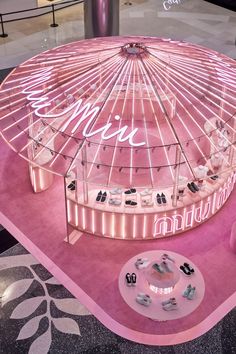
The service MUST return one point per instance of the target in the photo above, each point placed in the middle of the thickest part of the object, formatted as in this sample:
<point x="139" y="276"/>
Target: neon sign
<point x="87" y="112"/>
<point x="168" y="3"/>
<point x="196" y="214"/>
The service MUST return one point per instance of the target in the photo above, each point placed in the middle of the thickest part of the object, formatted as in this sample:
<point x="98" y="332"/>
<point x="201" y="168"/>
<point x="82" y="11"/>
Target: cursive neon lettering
<point x="87" y="112"/>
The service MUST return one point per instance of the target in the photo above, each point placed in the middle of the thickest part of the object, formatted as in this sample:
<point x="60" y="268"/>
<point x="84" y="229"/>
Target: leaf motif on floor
<point x="26" y="307"/>
<point x="71" y="306"/>
<point x="66" y="325"/>
<point x="42" y="344"/>
<point x="15" y="290"/>
<point x="53" y="281"/>
<point x="30" y="328"/>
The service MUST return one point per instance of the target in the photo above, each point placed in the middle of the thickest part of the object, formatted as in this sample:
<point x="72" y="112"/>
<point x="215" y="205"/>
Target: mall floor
<point x="75" y="330"/>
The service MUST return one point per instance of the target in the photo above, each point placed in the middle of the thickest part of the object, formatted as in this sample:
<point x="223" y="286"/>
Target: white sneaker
<point x="146" y="192"/>
<point x="143" y="299"/>
<point x="142" y="263"/>
<point x="166" y="302"/>
<point x="170" y="306"/>
<point x="113" y="201"/>
<point x="116" y="191"/>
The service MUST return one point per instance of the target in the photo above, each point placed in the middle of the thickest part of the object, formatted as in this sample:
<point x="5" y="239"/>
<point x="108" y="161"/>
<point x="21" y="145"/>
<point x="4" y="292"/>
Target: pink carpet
<point x="91" y="267"/>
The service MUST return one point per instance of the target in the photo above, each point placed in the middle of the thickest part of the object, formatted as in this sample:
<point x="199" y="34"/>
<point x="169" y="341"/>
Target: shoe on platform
<point x="187" y="290"/>
<point x="104" y="196"/>
<point x="143" y="299"/>
<point x="185" y="270"/>
<point x="133" y="279"/>
<point x="170" y="300"/>
<point x="170" y="306"/>
<point x="191" y="293"/>
<point x="190" y="187"/>
<point x="189" y="268"/>
<point x="142" y="263"/>
<point x="158" y="268"/>
<point x="164" y="265"/>
<point x="128" y="279"/>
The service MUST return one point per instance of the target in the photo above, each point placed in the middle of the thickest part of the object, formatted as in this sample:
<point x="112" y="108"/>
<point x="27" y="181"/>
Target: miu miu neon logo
<point x="76" y="111"/>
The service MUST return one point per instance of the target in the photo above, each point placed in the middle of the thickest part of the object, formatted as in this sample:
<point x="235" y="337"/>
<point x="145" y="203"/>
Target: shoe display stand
<point x="147" y="221"/>
<point x="176" y="280"/>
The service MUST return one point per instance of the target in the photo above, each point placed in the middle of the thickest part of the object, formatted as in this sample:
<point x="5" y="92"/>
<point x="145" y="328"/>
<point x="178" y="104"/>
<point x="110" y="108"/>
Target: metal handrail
<point x="52" y="6"/>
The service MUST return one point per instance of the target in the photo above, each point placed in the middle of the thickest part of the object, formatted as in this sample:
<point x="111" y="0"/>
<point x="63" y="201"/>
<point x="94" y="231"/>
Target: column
<point x="101" y="18"/>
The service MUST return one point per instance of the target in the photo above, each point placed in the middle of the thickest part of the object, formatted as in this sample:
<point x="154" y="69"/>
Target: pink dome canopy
<point x="123" y="110"/>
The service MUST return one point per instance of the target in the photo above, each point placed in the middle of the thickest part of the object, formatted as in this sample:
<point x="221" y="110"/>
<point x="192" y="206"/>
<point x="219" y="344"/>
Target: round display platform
<point x="175" y="284"/>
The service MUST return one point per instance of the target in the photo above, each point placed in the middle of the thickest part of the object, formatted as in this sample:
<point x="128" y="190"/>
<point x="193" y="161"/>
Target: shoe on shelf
<point x="164" y="265"/>
<point x="72" y="188"/>
<point x="185" y="270"/>
<point x="187" y="290"/>
<point x="159" y="199"/>
<point x="116" y="191"/>
<point x="195" y="187"/>
<point x="112" y="201"/>
<point x="147" y="203"/>
<point x="133" y="279"/>
<point x="158" y="268"/>
<point x="104" y="196"/>
<point x="130" y="191"/>
<point x="189" y="268"/>
<point x="191" y="293"/>
<point x="128" y="279"/>
<point x="214" y="177"/>
<point x="71" y="185"/>
<point x="170" y="306"/>
<point x="146" y="192"/>
<point x="163" y="198"/>
<point x="99" y="196"/>
<point x="131" y="203"/>
<point x="170" y="300"/>
<point x="143" y="299"/>
<point x="190" y="187"/>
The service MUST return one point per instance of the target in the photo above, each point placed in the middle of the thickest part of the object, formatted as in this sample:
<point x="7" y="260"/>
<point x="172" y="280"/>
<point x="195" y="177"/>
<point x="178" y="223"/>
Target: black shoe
<point x="217" y="124"/>
<point x="71" y="185"/>
<point x="133" y="279"/>
<point x="163" y="198"/>
<point x="72" y="188"/>
<point x="195" y="186"/>
<point x="221" y="125"/>
<point x="128" y="191"/>
<point x="104" y="195"/>
<point x="128" y="202"/>
<point x="128" y="279"/>
<point x="188" y="267"/>
<point x="185" y="270"/>
<point x="99" y="196"/>
<point x="214" y="177"/>
<point x="190" y="187"/>
<point x="133" y="203"/>
<point x="133" y="190"/>
<point x="159" y="199"/>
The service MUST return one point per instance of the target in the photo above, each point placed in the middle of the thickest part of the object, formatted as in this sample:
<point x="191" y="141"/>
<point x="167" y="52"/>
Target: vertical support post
<point x="67" y="214"/>
<point x="85" y="183"/>
<point x="3" y="34"/>
<point x="101" y="18"/>
<point x="176" y="177"/>
<point x="54" y="24"/>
